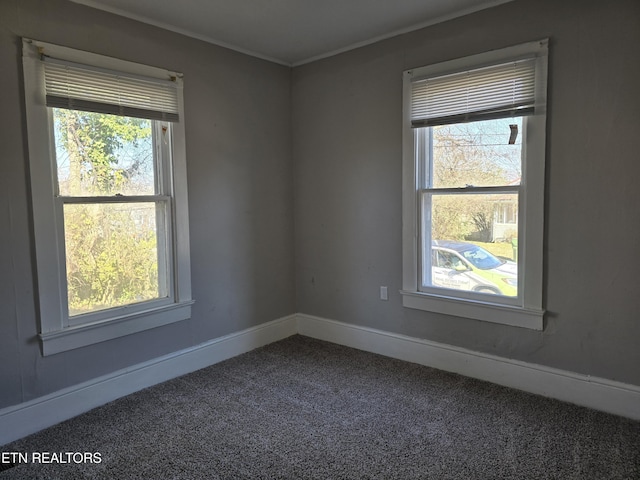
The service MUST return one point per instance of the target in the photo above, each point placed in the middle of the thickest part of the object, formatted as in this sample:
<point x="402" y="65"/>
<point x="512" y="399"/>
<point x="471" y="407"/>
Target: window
<point x="474" y="154"/>
<point x="108" y="178"/>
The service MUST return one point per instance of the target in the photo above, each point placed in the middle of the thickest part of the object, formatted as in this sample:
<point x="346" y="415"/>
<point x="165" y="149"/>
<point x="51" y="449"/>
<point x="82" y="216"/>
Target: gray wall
<point x="348" y="210"/>
<point x="240" y="193"/>
<point x="335" y="197"/>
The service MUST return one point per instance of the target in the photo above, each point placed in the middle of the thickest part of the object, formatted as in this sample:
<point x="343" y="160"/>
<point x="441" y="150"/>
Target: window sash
<point x="470" y="190"/>
<point x="423" y="145"/>
<point x="166" y="262"/>
<point x="164" y="228"/>
<point x="116" y="199"/>
<point x="425" y="196"/>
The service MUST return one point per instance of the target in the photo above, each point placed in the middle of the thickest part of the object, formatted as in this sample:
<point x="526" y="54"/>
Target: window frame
<point x="57" y="331"/>
<point x="526" y="310"/>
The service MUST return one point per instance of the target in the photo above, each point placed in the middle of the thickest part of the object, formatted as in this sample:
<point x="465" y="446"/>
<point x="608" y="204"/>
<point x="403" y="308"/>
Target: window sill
<point x="485" y="311"/>
<point x="82" y="335"/>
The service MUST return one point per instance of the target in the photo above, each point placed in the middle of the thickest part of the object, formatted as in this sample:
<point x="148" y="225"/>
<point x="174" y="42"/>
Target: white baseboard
<point x="601" y="394"/>
<point x="21" y="420"/>
<point x="597" y="393"/>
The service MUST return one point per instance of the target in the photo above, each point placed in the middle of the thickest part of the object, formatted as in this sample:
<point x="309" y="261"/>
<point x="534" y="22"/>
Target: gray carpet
<point x="306" y="409"/>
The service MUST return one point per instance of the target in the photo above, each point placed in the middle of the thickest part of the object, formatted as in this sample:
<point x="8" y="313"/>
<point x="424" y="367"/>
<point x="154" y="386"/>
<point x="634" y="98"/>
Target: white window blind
<point x="82" y="87"/>
<point x="490" y="92"/>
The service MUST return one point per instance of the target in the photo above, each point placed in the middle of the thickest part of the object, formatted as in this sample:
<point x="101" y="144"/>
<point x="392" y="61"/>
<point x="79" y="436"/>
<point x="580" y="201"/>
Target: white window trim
<point x="56" y="335"/>
<point x="528" y="313"/>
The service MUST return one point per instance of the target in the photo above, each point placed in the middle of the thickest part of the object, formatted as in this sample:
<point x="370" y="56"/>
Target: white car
<point x="464" y="266"/>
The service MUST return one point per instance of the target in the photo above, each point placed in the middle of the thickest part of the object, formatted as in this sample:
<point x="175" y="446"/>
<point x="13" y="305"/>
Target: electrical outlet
<point x="383" y="293"/>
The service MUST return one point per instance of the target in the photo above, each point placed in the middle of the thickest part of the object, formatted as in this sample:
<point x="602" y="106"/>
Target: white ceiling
<point x="291" y="32"/>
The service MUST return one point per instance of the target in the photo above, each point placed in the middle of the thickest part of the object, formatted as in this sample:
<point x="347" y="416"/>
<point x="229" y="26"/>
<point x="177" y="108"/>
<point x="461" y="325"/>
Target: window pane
<point x="113" y="255"/>
<point x="98" y="154"/>
<point x="472" y="248"/>
<point x="477" y="153"/>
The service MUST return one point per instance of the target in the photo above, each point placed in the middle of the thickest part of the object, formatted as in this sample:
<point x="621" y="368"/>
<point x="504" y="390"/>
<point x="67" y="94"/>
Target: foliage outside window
<point x="111" y="250"/>
<point x="109" y="188"/>
<point x="473" y="186"/>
